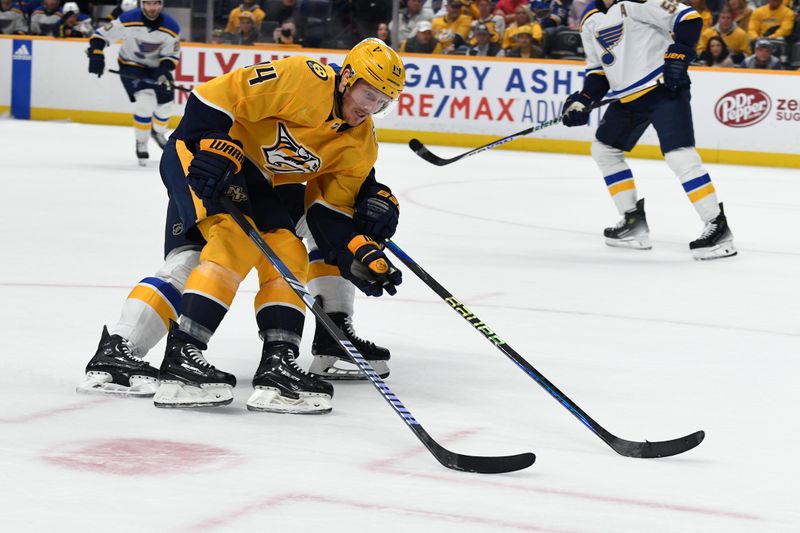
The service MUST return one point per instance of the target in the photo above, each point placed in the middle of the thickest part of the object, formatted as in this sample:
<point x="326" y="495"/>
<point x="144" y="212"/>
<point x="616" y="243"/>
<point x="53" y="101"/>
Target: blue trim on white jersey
<point x="642" y="81"/>
<point x="682" y="14"/>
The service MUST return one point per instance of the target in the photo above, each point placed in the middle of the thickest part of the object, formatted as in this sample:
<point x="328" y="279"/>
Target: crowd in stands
<point x="736" y="33"/>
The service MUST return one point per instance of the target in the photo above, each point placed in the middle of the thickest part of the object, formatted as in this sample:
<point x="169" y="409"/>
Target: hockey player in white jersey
<point x="150" y="52"/>
<point x="639" y="51"/>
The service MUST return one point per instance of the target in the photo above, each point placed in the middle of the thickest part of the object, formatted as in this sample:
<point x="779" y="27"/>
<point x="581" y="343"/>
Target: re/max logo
<point x="475" y="321"/>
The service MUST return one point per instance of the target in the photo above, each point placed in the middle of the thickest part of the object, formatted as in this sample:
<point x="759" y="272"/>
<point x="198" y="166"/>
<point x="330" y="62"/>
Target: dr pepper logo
<point x="742" y="107"/>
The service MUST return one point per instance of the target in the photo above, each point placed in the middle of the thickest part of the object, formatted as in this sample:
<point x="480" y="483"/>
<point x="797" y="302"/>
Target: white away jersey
<point x="141" y="45"/>
<point x="627" y="43"/>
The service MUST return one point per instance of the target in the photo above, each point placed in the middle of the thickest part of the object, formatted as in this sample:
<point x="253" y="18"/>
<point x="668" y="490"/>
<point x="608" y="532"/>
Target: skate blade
<point x="634" y="244"/>
<point x="178" y="395"/>
<point x="722" y="250"/>
<point x="332" y="368"/>
<point x="100" y="383"/>
<point x="270" y="400"/>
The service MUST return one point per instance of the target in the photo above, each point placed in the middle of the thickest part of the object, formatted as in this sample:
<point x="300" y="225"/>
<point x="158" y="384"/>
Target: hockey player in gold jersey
<point x="247" y="134"/>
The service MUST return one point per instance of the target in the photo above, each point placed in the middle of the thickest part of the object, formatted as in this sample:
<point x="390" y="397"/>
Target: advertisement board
<point x="740" y="116"/>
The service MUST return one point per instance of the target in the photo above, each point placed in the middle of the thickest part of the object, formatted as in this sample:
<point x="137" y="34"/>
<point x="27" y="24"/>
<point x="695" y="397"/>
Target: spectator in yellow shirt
<point x="773" y="21"/>
<point x="236" y="12"/>
<point x="522" y="16"/>
<point x="736" y="39"/>
<point x="452" y="29"/>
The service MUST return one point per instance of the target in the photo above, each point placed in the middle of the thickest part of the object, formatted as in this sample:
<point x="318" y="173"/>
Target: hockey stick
<point x="456" y="461"/>
<point x="422" y="151"/>
<point x="624" y="447"/>
<point x="152" y="82"/>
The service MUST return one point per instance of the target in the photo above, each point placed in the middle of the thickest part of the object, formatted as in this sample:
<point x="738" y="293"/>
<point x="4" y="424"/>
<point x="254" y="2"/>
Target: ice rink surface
<point x="651" y="344"/>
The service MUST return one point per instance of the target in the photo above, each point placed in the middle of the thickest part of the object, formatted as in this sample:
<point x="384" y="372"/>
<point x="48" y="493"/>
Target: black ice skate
<point x="187" y="379"/>
<point x="716" y="241"/>
<point x="330" y="361"/>
<point x="141" y="152"/>
<point x="283" y="387"/>
<point x="159" y="138"/>
<point x="115" y="370"/>
<point x="632" y="231"/>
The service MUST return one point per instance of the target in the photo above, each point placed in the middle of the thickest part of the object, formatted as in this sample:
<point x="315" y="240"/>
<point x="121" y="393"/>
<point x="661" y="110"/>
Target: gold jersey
<point x="283" y="112"/>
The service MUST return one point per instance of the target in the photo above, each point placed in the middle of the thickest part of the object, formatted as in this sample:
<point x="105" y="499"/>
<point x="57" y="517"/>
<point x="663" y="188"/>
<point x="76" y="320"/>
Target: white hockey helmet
<point x="70" y="7"/>
<point x="127" y="5"/>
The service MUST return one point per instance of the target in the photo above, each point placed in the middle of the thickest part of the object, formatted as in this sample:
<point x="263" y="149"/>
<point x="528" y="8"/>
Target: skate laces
<point x="197" y="356"/>
<point x="710" y="229"/>
<point x="290" y="358"/>
<point x="348" y="329"/>
<point x="126" y="351"/>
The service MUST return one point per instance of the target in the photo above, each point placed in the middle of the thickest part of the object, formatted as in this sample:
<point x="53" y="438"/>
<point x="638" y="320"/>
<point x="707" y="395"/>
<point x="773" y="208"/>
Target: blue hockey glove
<point x="377" y="212"/>
<point x="676" y="66"/>
<point x="576" y="110"/>
<point x="97" y="61"/>
<point x="365" y="265"/>
<point x="213" y="166"/>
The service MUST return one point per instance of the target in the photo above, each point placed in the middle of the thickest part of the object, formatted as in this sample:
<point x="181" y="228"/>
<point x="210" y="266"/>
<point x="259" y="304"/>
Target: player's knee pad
<point x="685" y="163"/>
<point x="227" y="245"/>
<point x="177" y="266"/>
<point x="272" y="288"/>
<point x="145" y="103"/>
<point x="214" y="281"/>
<point x="608" y="158"/>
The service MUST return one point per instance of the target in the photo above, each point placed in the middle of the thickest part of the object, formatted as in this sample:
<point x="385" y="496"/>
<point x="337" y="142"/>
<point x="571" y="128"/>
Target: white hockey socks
<point x="686" y="164"/>
<point x="617" y="175"/>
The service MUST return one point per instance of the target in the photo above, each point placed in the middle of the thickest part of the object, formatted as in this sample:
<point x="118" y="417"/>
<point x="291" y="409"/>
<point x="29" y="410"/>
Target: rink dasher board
<point x="740" y="116"/>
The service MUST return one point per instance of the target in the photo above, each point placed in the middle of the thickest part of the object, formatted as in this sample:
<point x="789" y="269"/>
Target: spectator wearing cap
<point x="484" y="46"/>
<point x="247" y="6"/>
<point x="523" y="16"/>
<point x="762" y="58"/>
<point x="774" y="21"/>
<point x="526" y="47"/>
<point x="12" y="19"/>
<point x="410" y="16"/>
<point x="423" y="41"/>
<point x="452" y="29"/>
<point x="246" y="32"/>
<point x="735" y="38"/>
<point x="495" y="23"/>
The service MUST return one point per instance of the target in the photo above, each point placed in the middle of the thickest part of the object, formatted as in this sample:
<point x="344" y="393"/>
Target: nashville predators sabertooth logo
<point x="288" y="156"/>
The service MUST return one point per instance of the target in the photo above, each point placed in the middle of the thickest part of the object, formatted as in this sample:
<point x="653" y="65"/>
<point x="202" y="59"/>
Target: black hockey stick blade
<point x="132" y="77"/>
<point x="421" y="150"/>
<point x="455" y="461"/>
<point x="644" y="450"/>
<point x="652" y="450"/>
<point x="473" y="463"/>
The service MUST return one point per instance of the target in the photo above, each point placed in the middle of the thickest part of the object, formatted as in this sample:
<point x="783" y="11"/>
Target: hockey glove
<point x="576" y="110"/>
<point x="214" y="164"/>
<point x="676" y="66"/>
<point x="97" y="61"/>
<point x="163" y="75"/>
<point x="365" y="265"/>
<point x="377" y="212"/>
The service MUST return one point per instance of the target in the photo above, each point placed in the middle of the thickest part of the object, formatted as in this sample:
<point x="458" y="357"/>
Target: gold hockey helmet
<point x="373" y="61"/>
